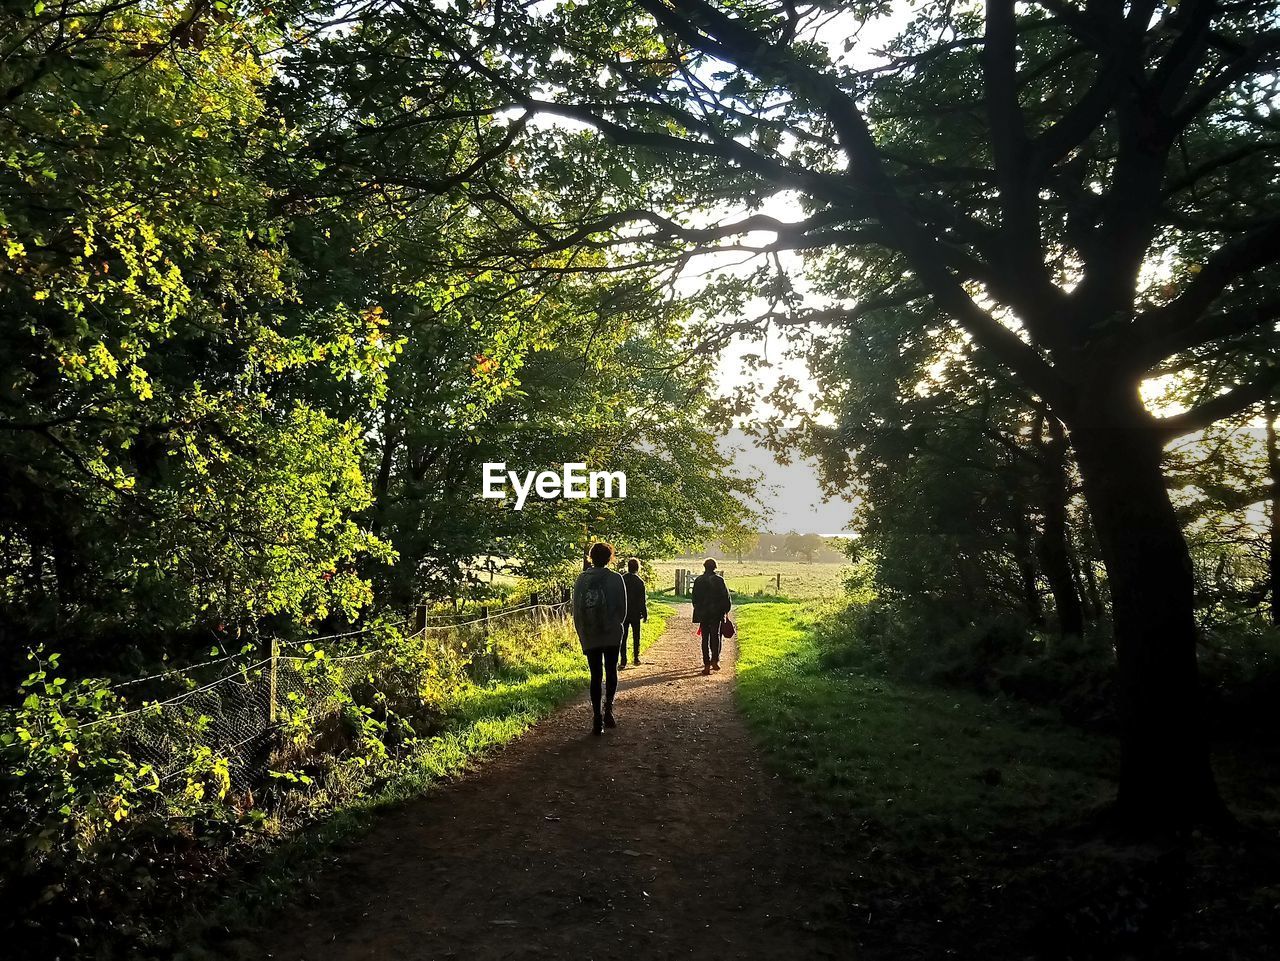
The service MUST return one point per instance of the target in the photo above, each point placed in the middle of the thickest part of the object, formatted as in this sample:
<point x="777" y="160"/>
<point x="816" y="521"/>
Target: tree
<point x="805" y="545"/>
<point x="533" y="359"/>
<point x="1083" y="191"/>
<point x="738" y="540"/>
<point x="165" y="462"/>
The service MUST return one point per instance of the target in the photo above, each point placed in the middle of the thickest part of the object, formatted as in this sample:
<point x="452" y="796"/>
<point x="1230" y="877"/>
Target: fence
<point x="237" y="718"/>
<point x="685" y="578"/>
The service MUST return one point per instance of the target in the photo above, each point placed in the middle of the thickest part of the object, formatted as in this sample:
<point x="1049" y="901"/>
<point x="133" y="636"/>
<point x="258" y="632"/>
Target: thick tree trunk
<point x="1166" y="781"/>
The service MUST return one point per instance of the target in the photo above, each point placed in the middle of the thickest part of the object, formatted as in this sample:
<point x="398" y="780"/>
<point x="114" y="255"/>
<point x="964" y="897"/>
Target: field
<point x="799" y="581"/>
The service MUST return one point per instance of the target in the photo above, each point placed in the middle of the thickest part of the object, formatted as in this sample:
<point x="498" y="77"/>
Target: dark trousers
<point x="710" y="642"/>
<point x="603" y="662"/>
<point x="635" y="643"/>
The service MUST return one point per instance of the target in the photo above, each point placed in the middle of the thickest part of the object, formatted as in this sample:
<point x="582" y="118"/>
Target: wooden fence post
<point x="271" y="680"/>
<point x="779" y="584"/>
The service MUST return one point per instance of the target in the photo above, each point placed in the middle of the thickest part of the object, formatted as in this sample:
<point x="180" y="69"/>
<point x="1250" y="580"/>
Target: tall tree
<point x="1083" y="190"/>
<point x="162" y="467"/>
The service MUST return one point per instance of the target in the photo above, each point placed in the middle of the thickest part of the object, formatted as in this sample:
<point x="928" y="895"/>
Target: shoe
<point x="608" y="718"/>
<point x="597" y="726"/>
<point x="622" y="666"/>
<point x="715" y="665"/>
<point x="706" y="668"/>
<point x="636" y="661"/>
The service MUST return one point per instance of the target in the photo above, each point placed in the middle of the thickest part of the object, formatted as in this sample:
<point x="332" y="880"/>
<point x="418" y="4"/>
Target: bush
<point x="997" y="654"/>
<point x="1240" y="667"/>
<point x="93" y="830"/>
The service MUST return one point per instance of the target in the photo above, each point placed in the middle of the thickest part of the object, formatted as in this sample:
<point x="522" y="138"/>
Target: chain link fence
<point x="237" y="718"/>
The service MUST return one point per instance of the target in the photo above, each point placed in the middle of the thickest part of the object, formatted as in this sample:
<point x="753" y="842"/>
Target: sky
<point x="791" y="494"/>
<point x="797" y="502"/>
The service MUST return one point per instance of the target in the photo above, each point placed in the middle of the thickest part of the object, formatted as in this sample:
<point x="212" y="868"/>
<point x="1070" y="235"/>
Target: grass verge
<point x="958" y="827"/>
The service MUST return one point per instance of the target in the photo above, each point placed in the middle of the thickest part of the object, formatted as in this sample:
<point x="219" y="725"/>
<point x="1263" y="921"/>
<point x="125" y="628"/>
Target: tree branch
<point x="1228" y="263"/>
<point x="1234" y="401"/>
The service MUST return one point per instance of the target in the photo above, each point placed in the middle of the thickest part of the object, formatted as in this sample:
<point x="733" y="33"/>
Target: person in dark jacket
<point x="637" y="611"/>
<point x="599" y="616"/>
<point x="710" y="605"/>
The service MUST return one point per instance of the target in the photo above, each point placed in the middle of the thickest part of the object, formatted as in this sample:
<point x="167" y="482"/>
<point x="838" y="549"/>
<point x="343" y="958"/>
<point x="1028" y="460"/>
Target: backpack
<point x="595" y="607"/>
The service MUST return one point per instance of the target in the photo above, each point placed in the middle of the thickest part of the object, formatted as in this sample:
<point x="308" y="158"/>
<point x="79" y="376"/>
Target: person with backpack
<point x="711" y="604"/>
<point x="599" y="616"/>
<point x="637" y="611"/>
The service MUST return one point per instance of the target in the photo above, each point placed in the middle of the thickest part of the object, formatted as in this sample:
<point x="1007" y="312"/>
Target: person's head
<point x="709" y="564"/>
<point x="633" y="565"/>
<point x="601" y="554"/>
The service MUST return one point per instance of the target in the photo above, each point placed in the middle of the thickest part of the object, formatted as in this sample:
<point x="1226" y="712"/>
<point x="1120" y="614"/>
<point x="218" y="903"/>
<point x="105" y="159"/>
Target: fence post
<point x="779" y="584"/>
<point x="533" y="599"/>
<point x="271" y="680"/>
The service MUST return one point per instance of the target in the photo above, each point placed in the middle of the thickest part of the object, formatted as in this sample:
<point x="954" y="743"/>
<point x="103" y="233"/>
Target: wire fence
<point x="234" y="723"/>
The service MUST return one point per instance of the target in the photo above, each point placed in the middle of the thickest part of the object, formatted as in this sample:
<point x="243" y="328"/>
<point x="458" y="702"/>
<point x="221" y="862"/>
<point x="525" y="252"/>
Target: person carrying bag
<point x="711" y="605"/>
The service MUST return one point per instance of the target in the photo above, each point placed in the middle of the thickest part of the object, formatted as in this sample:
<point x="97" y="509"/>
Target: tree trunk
<point x="1166" y="781"/>
<point x="1053" y="548"/>
<point x="382" y="482"/>
<point x="1024" y="558"/>
<point x="1088" y="551"/>
<point x="1273" y="548"/>
<point x="1091" y="613"/>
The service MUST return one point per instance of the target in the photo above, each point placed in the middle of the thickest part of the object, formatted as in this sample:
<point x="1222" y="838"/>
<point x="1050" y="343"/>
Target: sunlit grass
<point x="799" y="581"/>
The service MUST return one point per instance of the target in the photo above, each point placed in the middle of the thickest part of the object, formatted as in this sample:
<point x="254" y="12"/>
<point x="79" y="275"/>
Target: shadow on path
<point x="663" y="839"/>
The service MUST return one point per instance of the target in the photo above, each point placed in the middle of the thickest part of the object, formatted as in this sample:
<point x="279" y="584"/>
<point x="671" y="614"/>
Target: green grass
<point x="800" y="581"/>
<point x="963" y="827"/>
<point x="531" y="684"/>
<point x="924" y="754"/>
<point x="934" y="800"/>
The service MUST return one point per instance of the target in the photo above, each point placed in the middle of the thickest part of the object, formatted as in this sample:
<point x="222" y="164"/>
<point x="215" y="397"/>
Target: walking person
<point x="637" y="611"/>
<point x="599" y="616"/>
<point x="711" y="604"/>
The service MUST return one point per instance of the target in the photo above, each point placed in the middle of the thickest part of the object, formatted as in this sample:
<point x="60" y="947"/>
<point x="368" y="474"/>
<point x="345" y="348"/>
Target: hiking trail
<point x="665" y="838"/>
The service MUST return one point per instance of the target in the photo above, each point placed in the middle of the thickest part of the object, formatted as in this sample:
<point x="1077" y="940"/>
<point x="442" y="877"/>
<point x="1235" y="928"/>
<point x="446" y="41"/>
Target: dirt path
<point x="662" y="839"/>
